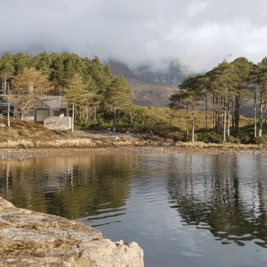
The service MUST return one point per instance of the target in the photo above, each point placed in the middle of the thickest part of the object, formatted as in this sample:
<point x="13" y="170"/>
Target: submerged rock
<point x="29" y="238"/>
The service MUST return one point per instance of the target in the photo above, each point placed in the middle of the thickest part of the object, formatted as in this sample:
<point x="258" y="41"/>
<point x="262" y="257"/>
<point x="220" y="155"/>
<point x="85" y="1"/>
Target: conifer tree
<point x="222" y="84"/>
<point x="190" y="94"/>
<point x="117" y="97"/>
<point x="241" y="72"/>
<point x="178" y="101"/>
<point x="19" y="62"/>
<point x="57" y="73"/>
<point x="6" y="70"/>
<point x="76" y="95"/>
<point x="260" y="80"/>
<point x="253" y="80"/>
<point x="44" y="62"/>
<point x="28" y="85"/>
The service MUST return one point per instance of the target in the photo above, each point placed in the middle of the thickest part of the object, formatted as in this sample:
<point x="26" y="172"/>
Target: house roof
<point x="53" y="101"/>
<point x="3" y="102"/>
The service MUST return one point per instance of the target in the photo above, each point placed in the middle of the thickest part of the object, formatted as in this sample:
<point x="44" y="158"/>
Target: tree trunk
<point x="237" y="111"/>
<point x="193" y="125"/>
<point x="261" y="114"/>
<point x="131" y="118"/>
<point x="224" y="125"/>
<point x="8" y="107"/>
<point x="186" y="122"/>
<point x="222" y="113"/>
<point x="72" y="120"/>
<point x="255" y="114"/>
<point x="217" y="125"/>
<point x="233" y="115"/>
<point x="206" y="112"/>
<point x="94" y="113"/>
<point x="228" y="124"/>
<point x="265" y="113"/>
<point x="4" y="84"/>
<point x="228" y="118"/>
<point x="213" y="115"/>
<point x="114" y="120"/>
<point x="87" y="114"/>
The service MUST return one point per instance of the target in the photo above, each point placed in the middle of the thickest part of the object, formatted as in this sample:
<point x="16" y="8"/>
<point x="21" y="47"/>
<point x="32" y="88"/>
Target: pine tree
<point x="259" y="80"/>
<point x="28" y="85"/>
<point x="6" y="70"/>
<point x="117" y="97"/>
<point x="76" y="95"/>
<point x="240" y="74"/>
<point x="57" y="73"/>
<point x="222" y="84"/>
<point x="44" y="62"/>
<point x="190" y="94"/>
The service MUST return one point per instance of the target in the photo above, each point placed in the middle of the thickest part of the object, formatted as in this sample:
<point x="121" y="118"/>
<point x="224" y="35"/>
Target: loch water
<point x="184" y="210"/>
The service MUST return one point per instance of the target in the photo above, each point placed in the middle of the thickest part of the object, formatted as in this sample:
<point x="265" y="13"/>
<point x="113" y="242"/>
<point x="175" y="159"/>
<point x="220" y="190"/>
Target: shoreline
<point x="19" y="154"/>
<point x="82" y="142"/>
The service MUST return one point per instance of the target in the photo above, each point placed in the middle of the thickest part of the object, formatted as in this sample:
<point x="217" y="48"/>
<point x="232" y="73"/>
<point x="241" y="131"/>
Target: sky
<point x="197" y="34"/>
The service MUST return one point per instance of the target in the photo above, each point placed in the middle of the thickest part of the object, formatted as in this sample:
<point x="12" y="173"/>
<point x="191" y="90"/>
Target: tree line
<point x="86" y="84"/>
<point x="223" y="90"/>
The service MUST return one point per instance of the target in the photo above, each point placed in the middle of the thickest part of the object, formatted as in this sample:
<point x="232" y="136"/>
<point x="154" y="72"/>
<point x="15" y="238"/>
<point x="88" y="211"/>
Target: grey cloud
<point x="193" y="34"/>
<point x="169" y="71"/>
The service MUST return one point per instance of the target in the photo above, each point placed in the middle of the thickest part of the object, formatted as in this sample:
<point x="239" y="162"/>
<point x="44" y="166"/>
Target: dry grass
<point x="65" y="143"/>
<point x="24" y="134"/>
<point x="224" y="145"/>
<point x="24" y="130"/>
<point x="179" y="118"/>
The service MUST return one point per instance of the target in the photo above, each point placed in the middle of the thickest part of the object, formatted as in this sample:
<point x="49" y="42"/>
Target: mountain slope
<point x="144" y="93"/>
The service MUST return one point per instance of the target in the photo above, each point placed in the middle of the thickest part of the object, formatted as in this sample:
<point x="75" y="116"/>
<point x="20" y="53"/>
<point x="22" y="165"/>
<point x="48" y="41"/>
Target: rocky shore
<point x="84" y="142"/>
<point x="20" y="154"/>
<point x="34" y="239"/>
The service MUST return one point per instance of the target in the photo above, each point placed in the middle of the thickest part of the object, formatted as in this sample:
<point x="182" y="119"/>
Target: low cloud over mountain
<point x="152" y="86"/>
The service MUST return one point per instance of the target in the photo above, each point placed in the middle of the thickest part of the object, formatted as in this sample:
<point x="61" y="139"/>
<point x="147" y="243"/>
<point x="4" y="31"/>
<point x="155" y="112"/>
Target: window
<point x="41" y="114"/>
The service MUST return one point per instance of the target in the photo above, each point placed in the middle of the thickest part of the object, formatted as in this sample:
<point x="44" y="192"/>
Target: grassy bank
<point x="169" y="123"/>
<point x="164" y="122"/>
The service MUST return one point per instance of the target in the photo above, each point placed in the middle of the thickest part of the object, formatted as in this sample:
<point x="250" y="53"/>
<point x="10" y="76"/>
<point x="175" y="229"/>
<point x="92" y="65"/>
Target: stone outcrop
<point x="29" y="238"/>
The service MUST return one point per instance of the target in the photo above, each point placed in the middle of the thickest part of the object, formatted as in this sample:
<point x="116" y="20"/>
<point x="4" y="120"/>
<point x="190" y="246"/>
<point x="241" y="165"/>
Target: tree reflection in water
<point x="228" y="197"/>
<point x="68" y="186"/>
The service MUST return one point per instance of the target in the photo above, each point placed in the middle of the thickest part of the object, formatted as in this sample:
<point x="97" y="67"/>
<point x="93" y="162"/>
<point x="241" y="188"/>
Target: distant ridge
<point x="118" y="68"/>
<point x="150" y="94"/>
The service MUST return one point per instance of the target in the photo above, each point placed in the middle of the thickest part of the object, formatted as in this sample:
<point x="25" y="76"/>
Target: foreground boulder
<point x="29" y="238"/>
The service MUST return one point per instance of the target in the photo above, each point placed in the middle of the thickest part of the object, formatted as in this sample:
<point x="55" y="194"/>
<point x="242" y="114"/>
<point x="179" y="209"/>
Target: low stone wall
<point x="29" y="118"/>
<point x="34" y="239"/>
<point x="58" y="123"/>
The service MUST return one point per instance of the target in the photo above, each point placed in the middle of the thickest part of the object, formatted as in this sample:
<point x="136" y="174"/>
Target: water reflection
<point x="226" y="195"/>
<point x="69" y="187"/>
<point x="186" y="210"/>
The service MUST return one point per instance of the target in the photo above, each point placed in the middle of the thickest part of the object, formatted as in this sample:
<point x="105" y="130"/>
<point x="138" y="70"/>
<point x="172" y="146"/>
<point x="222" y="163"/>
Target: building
<point x="42" y="107"/>
<point x="49" y="106"/>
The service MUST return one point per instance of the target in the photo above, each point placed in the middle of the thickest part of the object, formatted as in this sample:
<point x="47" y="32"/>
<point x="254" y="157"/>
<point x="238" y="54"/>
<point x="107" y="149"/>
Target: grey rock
<point x="29" y="238"/>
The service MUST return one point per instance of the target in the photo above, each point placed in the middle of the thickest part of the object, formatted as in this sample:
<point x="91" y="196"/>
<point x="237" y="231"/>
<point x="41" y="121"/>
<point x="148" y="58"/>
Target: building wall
<point x="58" y="123"/>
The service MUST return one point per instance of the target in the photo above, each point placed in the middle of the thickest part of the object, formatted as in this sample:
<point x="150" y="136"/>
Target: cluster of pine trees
<point x="223" y="90"/>
<point x="87" y="84"/>
<point x="93" y="93"/>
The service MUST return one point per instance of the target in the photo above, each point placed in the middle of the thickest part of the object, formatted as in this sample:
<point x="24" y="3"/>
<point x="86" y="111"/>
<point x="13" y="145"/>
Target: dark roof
<point x="3" y="102"/>
<point x="53" y="101"/>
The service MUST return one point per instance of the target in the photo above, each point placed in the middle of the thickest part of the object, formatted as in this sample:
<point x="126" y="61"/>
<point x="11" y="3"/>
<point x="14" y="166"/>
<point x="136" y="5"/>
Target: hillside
<point x="145" y="93"/>
<point x="153" y="89"/>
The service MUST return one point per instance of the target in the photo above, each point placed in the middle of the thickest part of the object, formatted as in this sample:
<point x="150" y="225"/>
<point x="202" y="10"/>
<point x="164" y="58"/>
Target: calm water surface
<point x="183" y="210"/>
